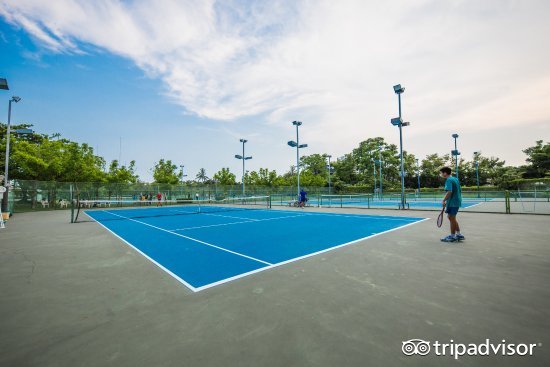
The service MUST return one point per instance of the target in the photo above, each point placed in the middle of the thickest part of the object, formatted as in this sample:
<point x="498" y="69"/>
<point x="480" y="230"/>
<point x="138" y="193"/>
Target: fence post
<point x="72" y="203"/>
<point x="507" y="201"/>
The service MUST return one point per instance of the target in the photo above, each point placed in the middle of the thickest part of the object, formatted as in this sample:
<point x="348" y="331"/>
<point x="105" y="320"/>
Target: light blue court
<point x="417" y="204"/>
<point x="207" y="249"/>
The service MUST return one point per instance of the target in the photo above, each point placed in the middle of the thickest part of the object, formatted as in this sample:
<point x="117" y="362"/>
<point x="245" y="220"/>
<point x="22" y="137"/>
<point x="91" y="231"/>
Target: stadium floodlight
<point x="4" y="84"/>
<point x="4" y="207"/>
<point x="398" y="89"/>
<point x="455" y="153"/>
<point x="296" y="144"/>
<point x="398" y="121"/>
<point x="243" y="158"/>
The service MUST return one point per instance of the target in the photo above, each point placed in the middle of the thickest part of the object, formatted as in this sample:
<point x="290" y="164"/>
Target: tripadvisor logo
<point x="422" y="347"/>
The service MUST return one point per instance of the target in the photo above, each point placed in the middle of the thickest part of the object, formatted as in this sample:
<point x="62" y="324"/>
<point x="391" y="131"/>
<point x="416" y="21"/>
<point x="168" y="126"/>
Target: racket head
<point x="440" y="219"/>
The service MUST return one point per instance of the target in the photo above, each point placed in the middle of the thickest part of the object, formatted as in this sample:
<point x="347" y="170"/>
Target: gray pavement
<point x="75" y="295"/>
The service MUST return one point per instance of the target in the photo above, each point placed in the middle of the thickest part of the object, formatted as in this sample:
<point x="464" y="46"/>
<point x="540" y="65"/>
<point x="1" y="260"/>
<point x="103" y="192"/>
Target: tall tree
<point x="224" y="177"/>
<point x="539" y="158"/>
<point x="201" y="176"/>
<point x="166" y="172"/>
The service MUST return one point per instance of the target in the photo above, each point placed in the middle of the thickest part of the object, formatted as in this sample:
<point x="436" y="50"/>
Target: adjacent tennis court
<point x="222" y="243"/>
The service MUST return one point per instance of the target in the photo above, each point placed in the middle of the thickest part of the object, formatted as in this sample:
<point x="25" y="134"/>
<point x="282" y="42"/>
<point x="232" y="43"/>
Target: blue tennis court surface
<point x="207" y="249"/>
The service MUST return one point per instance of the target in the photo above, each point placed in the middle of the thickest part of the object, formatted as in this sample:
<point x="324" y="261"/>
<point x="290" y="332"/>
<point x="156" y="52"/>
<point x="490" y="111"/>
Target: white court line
<point x="229" y="216"/>
<point x="191" y="238"/>
<point x="270" y="266"/>
<point x="145" y="255"/>
<point x="300" y="258"/>
<point x="245" y="221"/>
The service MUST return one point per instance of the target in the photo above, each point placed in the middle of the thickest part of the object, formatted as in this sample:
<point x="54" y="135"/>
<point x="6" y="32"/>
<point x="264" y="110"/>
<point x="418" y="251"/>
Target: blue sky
<point x="184" y="80"/>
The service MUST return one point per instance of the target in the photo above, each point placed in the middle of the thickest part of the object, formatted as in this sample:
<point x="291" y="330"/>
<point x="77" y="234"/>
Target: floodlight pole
<point x="374" y="174"/>
<point x="380" y="166"/>
<point x="5" y="197"/>
<point x="399" y="90"/>
<point x="329" y="156"/>
<point x="296" y="144"/>
<point x="476" y="162"/>
<point x="456" y="154"/>
<point x="418" y="175"/>
<point x="244" y="158"/>
<point x="298" y="123"/>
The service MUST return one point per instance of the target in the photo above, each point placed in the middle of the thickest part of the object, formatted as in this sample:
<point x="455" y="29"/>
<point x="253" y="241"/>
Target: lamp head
<point x="297" y="123"/>
<point x="243" y="140"/>
<point x="455" y="136"/>
<point x="15" y="99"/>
<point x="396" y="121"/>
<point x="238" y="156"/>
<point x="398" y="89"/>
<point x="292" y="143"/>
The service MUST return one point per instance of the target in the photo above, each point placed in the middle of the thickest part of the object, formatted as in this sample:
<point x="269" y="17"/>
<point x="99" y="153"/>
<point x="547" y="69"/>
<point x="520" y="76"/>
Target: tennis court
<point x="203" y="246"/>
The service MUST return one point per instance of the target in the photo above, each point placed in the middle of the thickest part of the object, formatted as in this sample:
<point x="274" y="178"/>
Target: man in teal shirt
<point x="452" y="202"/>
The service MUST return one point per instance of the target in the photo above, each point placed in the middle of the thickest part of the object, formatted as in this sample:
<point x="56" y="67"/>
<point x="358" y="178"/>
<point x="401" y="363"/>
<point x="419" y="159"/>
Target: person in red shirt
<point x="159" y="198"/>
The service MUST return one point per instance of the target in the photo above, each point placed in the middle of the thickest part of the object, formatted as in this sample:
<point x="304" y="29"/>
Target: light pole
<point x="380" y="167"/>
<point x="456" y="153"/>
<point x="418" y="175"/>
<point x="476" y="162"/>
<point x="296" y="144"/>
<point x="374" y="174"/>
<point x="329" y="168"/>
<point x="182" y="175"/>
<point x="398" y="121"/>
<point x="244" y="158"/>
<point x="5" y="197"/>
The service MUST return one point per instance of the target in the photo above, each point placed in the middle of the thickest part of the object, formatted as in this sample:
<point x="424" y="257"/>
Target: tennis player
<point x="303" y="198"/>
<point x="452" y="202"/>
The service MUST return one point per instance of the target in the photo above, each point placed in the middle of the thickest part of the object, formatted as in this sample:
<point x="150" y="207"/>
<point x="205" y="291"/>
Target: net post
<point x="269" y="202"/>
<point x="507" y="201"/>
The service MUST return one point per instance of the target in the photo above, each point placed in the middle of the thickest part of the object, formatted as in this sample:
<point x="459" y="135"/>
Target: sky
<point x="185" y="80"/>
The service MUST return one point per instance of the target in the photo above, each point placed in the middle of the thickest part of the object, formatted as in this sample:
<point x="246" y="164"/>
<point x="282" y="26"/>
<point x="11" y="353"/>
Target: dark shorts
<point x="451" y="210"/>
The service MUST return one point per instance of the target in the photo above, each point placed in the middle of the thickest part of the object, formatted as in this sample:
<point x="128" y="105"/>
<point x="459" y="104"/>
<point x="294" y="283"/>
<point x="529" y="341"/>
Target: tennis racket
<point x="440" y="217"/>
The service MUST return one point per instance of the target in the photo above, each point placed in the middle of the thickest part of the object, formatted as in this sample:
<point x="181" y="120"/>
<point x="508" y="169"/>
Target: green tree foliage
<point x="224" y="177"/>
<point x="201" y="176"/>
<point x="37" y="157"/>
<point x="122" y="174"/>
<point x="539" y="158"/>
<point x="166" y="172"/>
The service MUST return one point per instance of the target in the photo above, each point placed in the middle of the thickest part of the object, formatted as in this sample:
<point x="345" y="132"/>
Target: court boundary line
<point x="241" y="222"/>
<point x="227" y="280"/>
<point x="192" y="239"/>
<point x="270" y="265"/>
<point x="192" y="288"/>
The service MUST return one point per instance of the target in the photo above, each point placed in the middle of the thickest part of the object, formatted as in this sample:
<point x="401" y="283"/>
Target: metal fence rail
<point x="37" y="196"/>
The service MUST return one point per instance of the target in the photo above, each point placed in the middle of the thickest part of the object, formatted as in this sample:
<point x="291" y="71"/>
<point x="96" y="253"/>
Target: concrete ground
<point x="75" y="295"/>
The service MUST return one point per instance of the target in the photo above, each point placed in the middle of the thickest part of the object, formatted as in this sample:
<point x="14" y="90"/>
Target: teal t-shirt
<point x="452" y="184"/>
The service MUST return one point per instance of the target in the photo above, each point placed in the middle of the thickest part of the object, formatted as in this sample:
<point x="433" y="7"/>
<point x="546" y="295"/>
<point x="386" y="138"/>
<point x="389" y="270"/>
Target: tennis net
<point x="103" y="210"/>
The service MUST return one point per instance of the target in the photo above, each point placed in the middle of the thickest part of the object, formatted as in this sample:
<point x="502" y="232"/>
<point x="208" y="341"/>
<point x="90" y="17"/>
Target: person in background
<point x="303" y="198"/>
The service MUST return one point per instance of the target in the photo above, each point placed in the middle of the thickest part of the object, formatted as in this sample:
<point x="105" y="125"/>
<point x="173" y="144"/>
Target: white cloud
<point x="468" y="65"/>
